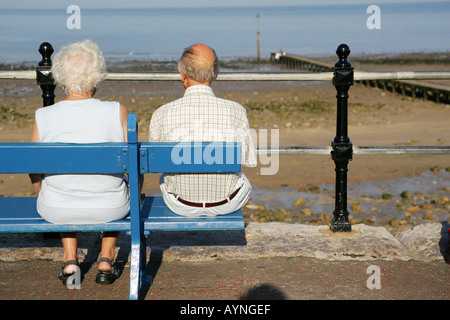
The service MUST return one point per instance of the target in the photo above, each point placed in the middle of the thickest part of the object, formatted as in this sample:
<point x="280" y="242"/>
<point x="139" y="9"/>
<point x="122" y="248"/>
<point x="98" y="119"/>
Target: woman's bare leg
<point x="69" y="242"/>
<point x="109" y="242"/>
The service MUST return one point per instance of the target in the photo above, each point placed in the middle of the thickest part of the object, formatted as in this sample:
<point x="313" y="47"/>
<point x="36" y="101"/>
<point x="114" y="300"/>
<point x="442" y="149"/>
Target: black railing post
<point x="342" y="147"/>
<point x="44" y="76"/>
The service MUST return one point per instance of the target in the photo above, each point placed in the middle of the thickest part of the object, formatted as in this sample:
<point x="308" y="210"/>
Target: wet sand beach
<point x="396" y="191"/>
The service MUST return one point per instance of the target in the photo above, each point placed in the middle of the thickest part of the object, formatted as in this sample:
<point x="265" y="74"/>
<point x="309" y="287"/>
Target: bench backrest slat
<point x="187" y="157"/>
<point x="63" y="158"/>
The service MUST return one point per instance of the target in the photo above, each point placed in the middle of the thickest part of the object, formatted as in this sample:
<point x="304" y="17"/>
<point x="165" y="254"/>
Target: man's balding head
<point x="199" y="62"/>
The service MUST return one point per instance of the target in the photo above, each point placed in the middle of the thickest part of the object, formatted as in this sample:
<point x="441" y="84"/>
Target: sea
<point x="160" y="34"/>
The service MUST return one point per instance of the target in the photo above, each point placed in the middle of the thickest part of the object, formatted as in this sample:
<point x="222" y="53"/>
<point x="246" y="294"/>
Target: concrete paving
<point x="274" y="261"/>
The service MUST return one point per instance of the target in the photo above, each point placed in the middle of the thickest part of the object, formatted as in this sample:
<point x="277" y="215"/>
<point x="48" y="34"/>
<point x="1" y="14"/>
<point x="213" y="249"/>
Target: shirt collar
<point x="199" y="89"/>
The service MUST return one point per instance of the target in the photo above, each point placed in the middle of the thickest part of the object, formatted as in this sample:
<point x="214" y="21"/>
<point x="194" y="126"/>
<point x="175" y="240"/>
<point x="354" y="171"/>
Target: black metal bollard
<point x="342" y="147"/>
<point x="45" y="80"/>
<point x="44" y="76"/>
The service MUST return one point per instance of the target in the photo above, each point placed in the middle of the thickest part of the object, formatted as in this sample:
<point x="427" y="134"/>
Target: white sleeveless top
<point x="81" y="121"/>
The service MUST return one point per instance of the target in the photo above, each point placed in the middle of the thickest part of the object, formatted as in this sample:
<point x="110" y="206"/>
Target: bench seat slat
<point x="44" y="226"/>
<point x="159" y="217"/>
<point x="19" y="214"/>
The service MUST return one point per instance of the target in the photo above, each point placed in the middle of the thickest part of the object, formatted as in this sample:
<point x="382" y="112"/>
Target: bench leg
<point x="146" y="280"/>
<point x="138" y="275"/>
<point x="134" y="271"/>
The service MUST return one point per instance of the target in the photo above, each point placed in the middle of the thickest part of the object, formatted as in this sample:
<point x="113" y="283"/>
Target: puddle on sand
<point x="426" y="191"/>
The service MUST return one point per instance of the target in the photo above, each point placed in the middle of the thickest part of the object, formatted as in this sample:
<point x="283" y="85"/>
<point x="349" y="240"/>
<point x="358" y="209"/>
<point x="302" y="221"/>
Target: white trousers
<point x="82" y="215"/>
<point x="239" y="200"/>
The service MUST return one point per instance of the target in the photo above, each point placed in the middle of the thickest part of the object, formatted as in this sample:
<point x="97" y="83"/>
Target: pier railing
<point x="342" y="76"/>
<point x="403" y="83"/>
<point x="255" y="76"/>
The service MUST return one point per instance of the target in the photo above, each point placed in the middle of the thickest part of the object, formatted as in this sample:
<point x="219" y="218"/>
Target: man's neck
<point x="191" y="82"/>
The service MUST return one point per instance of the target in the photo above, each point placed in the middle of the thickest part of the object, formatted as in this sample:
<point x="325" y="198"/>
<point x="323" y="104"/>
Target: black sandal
<point x="64" y="276"/>
<point x="109" y="277"/>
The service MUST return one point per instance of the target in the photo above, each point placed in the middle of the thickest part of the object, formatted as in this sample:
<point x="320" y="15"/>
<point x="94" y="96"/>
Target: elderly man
<point x="201" y="116"/>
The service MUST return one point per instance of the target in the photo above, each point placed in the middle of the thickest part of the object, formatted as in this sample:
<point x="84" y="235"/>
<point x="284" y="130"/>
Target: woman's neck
<point x="79" y="96"/>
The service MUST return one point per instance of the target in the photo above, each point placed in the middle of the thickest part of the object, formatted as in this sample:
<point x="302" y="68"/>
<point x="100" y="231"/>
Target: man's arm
<point x="154" y="130"/>
<point x="248" y="147"/>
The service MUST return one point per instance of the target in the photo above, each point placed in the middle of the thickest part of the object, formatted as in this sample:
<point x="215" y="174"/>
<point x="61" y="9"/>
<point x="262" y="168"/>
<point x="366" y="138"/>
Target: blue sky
<point x="181" y="3"/>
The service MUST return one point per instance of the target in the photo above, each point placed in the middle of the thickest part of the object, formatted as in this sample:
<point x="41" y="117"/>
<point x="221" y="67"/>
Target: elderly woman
<point x="82" y="198"/>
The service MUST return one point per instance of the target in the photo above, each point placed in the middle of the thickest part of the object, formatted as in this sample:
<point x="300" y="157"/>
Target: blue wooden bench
<point x="19" y="214"/>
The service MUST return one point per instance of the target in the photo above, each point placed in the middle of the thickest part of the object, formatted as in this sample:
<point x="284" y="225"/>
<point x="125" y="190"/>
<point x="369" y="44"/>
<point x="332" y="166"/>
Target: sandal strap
<point x="106" y="260"/>
<point x="65" y="264"/>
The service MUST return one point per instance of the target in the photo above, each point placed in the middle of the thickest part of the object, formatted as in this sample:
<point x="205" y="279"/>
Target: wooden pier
<point x="415" y="89"/>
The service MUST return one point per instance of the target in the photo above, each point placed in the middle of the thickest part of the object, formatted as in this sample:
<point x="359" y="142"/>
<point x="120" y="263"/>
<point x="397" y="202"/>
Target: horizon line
<point x="224" y="6"/>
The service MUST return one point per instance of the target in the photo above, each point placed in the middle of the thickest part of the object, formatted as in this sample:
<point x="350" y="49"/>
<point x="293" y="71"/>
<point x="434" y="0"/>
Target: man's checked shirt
<point x="196" y="117"/>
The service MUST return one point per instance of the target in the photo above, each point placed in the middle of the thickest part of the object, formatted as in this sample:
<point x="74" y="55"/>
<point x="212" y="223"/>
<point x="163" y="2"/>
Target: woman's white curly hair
<point x="79" y="67"/>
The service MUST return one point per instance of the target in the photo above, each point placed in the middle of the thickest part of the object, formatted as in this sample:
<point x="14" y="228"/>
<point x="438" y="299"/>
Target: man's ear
<point x="184" y="79"/>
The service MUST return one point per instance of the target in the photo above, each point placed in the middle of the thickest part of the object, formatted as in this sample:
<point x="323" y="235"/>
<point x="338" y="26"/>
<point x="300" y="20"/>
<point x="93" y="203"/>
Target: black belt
<point x="210" y="204"/>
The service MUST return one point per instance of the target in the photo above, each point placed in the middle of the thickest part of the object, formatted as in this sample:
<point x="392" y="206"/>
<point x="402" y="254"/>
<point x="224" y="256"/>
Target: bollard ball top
<point x="343" y="51"/>
<point x="46" y="50"/>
